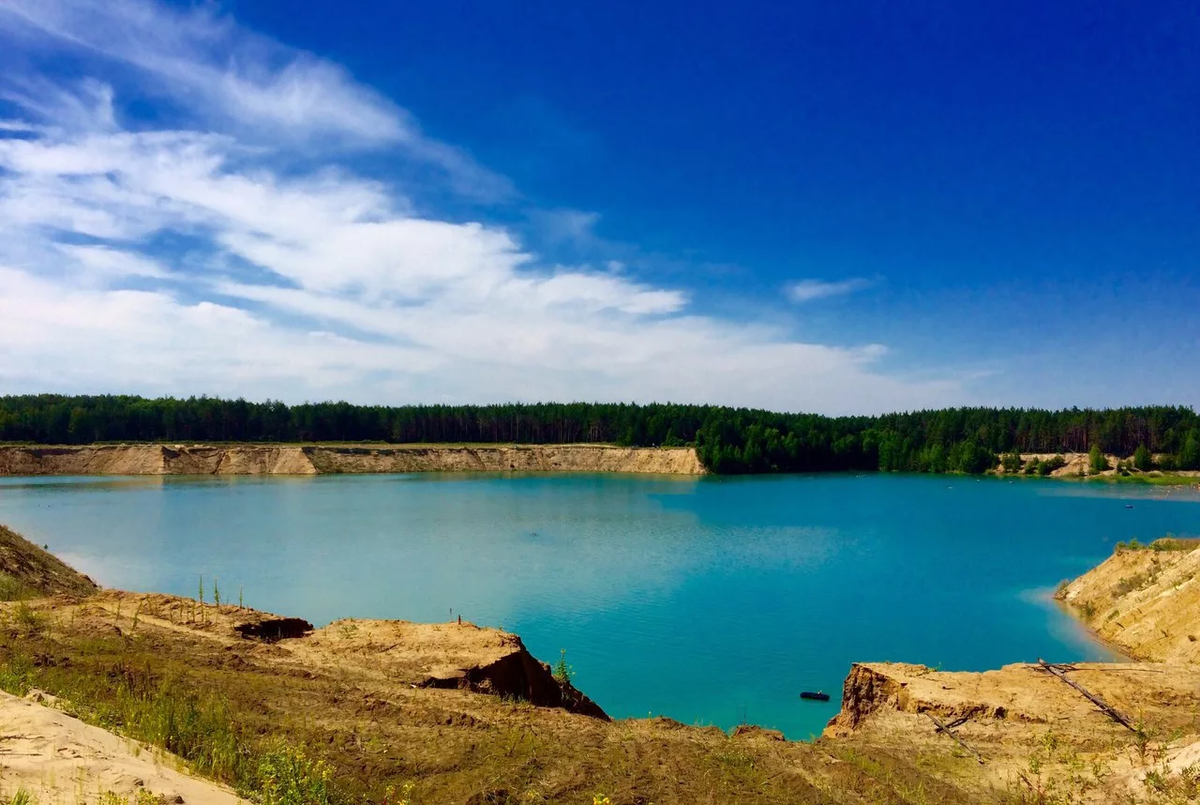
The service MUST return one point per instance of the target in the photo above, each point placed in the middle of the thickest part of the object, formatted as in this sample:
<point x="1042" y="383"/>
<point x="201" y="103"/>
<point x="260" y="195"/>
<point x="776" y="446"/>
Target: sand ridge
<point x="263" y="459"/>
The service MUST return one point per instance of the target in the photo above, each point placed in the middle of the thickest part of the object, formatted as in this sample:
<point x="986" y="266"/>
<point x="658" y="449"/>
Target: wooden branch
<point x="958" y="722"/>
<point x="1108" y="709"/>
<point x="946" y="729"/>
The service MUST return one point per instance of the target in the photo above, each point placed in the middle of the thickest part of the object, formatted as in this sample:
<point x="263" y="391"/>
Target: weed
<point x="28" y="621"/>
<point x="1131" y="584"/>
<point x="1056" y="775"/>
<point x="216" y="594"/>
<point x="13" y="589"/>
<point x="563" y="672"/>
<point x="15" y="674"/>
<point x="288" y="777"/>
<point x="22" y="797"/>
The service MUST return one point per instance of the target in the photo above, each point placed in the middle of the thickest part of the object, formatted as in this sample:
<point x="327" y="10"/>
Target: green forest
<point x="728" y="440"/>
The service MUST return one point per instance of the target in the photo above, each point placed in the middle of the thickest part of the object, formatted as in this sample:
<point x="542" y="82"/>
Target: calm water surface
<point x="707" y="600"/>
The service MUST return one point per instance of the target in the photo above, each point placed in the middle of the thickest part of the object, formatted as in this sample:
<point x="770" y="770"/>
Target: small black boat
<point x="815" y="695"/>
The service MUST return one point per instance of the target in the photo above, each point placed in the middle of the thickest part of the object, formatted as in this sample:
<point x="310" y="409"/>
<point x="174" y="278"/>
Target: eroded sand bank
<point x="254" y="459"/>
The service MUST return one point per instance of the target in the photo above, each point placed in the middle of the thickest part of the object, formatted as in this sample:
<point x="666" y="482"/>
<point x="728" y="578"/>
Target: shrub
<point x="1142" y="458"/>
<point x="288" y="777"/>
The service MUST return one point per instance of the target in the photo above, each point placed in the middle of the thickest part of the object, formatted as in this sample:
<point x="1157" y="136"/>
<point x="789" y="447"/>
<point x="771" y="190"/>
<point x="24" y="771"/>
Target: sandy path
<point x="60" y="759"/>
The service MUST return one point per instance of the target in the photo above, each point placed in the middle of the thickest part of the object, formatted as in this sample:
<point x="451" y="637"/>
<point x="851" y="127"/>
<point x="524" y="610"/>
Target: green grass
<point x="1166" y="479"/>
<point x="13" y="589"/>
<point x="165" y="714"/>
<point x="1163" y="544"/>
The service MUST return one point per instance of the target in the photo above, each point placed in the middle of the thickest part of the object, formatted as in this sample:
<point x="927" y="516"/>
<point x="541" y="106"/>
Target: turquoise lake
<point x="708" y="600"/>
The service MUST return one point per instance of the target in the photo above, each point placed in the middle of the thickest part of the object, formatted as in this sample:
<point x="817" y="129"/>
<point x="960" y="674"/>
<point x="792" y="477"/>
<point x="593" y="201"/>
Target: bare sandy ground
<point x="60" y="759"/>
<point x="1146" y="602"/>
<point x="259" y="459"/>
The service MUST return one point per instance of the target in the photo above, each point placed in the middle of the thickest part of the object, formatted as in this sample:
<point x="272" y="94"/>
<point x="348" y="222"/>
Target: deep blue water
<point x="707" y="600"/>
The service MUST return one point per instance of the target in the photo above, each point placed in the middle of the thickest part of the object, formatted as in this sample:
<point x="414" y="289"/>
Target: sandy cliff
<point x="1144" y="600"/>
<point x="254" y="459"/>
<point x="1080" y="732"/>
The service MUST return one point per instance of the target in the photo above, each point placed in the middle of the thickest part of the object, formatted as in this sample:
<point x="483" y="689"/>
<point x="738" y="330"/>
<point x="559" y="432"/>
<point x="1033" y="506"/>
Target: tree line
<point x="727" y="440"/>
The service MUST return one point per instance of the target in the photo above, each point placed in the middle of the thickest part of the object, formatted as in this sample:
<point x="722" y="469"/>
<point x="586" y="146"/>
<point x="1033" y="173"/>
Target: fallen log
<point x="946" y="729"/>
<point x="1104" y="706"/>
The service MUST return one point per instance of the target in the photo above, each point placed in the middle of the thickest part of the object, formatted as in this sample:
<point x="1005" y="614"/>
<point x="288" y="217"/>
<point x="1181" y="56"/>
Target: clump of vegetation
<point x="197" y="728"/>
<point x="1142" y="458"/>
<point x="1043" y="468"/>
<point x="1097" y="461"/>
<point x="1175" y="544"/>
<point x="563" y="672"/>
<point x="13" y="589"/>
<point x="1010" y="463"/>
<point x="1163" y="545"/>
<point x="1129" y="584"/>
<point x="288" y="777"/>
<point x="27" y="621"/>
<point x="21" y="797"/>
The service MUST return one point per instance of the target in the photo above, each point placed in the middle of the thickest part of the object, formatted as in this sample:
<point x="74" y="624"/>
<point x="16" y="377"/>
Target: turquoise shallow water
<point x="707" y="600"/>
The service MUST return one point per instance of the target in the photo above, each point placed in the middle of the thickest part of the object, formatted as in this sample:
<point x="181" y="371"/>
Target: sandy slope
<point x="60" y="759"/>
<point x="1147" y="602"/>
<point x="252" y="459"/>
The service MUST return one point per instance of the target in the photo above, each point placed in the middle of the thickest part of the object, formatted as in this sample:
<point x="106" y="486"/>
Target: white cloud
<point x="229" y="78"/>
<point x="810" y="289"/>
<point x="185" y="260"/>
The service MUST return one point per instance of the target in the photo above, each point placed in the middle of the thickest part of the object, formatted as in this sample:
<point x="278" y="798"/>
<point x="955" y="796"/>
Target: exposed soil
<point x="1078" y="465"/>
<point x="257" y="459"/>
<point x="1144" y="601"/>
<point x="36" y="571"/>
<point x="1027" y="732"/>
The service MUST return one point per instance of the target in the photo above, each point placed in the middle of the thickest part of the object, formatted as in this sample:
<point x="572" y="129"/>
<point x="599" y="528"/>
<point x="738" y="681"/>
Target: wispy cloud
<point x="185" y="257"/>
<point x="228" y="78"/>
<point x="810" y="289"/>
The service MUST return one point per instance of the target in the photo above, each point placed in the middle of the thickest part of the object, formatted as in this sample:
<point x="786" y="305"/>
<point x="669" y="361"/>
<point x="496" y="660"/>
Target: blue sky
<point x="849" y="207"/>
